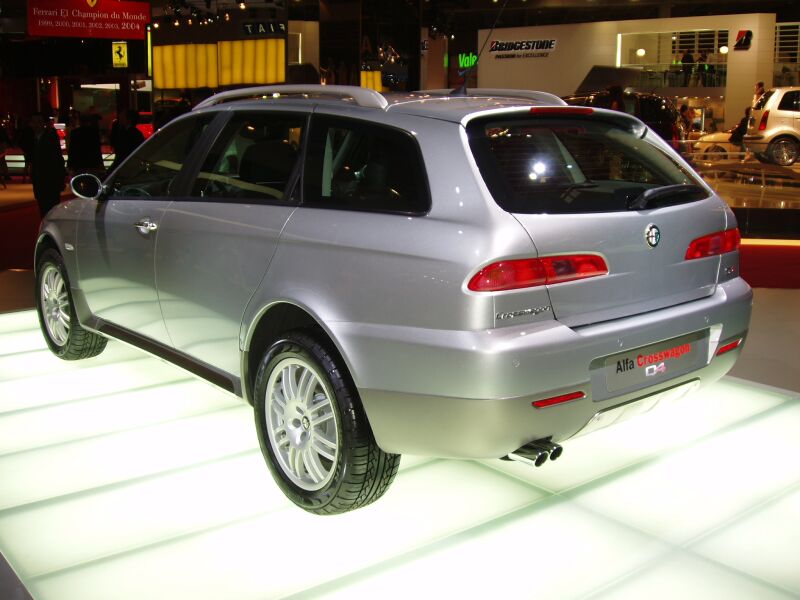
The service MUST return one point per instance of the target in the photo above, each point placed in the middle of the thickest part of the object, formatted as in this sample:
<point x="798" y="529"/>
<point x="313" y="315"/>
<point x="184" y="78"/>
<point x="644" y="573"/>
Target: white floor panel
<point x="122" y="477"/>
<point x="752" y="543"/>
<point x="680" y="496"/>
<point x="689" y="578"/>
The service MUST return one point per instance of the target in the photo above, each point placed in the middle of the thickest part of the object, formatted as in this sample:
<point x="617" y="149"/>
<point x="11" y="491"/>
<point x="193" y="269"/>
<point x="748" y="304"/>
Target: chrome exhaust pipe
<point x="535" y="453"/>
<point x="554" y="449"/>
<point x="530" y="454"/>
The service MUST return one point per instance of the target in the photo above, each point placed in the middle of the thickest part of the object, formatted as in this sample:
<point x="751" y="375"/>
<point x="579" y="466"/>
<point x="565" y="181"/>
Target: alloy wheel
<point x="55" y="304"/>
<point x="302" y="423"/>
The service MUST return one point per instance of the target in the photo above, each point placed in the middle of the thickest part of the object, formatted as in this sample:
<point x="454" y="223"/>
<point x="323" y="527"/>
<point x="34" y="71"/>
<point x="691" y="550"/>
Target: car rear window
<point x="571" y="165"/>
<point x="762" y="102"/>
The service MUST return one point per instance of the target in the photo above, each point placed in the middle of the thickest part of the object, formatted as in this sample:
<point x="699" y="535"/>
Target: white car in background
<point x="716" y="146"/>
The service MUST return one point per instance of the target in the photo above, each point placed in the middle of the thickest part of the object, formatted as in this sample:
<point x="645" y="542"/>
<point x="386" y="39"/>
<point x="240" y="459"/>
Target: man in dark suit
<point x="128" y="138"/>
<point x="47" y="164"/>
<point x="85" y="155"/>
<point x="687" y="66"/>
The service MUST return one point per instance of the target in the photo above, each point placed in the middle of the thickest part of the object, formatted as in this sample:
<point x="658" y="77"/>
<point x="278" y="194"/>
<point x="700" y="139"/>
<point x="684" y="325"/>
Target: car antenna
<point x="462" y="89"/>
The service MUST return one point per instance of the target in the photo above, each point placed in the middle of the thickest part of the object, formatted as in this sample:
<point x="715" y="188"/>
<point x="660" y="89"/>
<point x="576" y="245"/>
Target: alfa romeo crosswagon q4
<point x="481" y="275"/>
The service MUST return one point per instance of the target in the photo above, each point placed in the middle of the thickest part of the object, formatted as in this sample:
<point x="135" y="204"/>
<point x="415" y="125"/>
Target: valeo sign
<point x="465" y="61"/>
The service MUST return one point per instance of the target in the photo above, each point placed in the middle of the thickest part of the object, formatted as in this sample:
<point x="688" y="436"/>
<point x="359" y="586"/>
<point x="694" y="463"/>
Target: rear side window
<point x="569" y="165"/>
<point x="358" y="165"/>
<point x="790" y="101"/>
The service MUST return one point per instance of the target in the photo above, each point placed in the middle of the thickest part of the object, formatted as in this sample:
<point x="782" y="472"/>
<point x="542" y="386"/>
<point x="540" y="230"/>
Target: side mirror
<point x="86" y="186"/>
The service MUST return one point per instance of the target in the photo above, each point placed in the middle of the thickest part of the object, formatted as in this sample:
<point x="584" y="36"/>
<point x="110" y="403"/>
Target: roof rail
<point x="362" y="96"/>
<point x="504" y="93"/>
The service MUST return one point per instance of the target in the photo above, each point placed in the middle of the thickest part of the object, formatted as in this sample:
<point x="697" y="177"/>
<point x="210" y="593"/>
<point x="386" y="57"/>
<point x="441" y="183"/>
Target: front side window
<point x="254" y="158"/>
<point x="362" y="166"/>
<point x="570" y="165"/>
<point x="153" y="167"/>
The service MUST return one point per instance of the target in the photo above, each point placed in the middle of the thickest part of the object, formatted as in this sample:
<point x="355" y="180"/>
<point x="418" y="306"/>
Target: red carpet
<point x="770" y="263"/>
<point x="19" y="225"/>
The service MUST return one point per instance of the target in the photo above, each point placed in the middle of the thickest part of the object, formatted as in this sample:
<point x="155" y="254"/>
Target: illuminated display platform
<point x="123" y="477"/>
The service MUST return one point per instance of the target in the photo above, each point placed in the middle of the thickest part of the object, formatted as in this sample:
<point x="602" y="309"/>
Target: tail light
<point x="533" y="272"/>
<point x="763" y="124"/>
<point x="728" y="347"/>
<point x="714" y="243"/>
<point x="557" y="399"/>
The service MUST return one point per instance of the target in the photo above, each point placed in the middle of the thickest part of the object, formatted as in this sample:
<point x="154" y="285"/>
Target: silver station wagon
<point x="472" y="276"/>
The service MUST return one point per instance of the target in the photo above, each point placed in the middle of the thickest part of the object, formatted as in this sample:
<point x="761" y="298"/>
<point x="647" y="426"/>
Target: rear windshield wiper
<point x="668" y="191"/>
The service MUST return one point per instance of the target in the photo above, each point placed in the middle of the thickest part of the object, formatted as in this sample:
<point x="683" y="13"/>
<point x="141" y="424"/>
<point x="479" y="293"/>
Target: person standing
<point x="758" y="92"/>
<point x="85" y="155"/>
<point x="129" y="136"/>
<point x="5" y="143"/>
<point x="47" y="164"/>
<point x="687" y="65"/>
<point x="737" y="136"/>
<point x="702" y="69"/>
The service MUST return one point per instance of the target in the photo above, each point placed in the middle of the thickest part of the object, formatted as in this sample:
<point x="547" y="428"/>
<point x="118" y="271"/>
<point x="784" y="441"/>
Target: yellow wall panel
<point x="179" y="65"/>
<point x="191" y="65"/>
<point x="260" y="62"/>
<point x="212" y="62"/>
<point x="237" y="62"/>
<point x="225" y="56"/>
<point x="158" y="70"/>
<point x="201" y="65"/>
<point x="249" y="61"/>
<point x="281" y="60"/>
<point x="224" y="63"/>
<point x="168" y="62"/>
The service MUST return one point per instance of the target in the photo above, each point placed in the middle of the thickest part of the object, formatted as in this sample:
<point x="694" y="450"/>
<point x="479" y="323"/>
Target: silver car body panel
<point x="210" y="261"/>
<point x="116" y="260"/>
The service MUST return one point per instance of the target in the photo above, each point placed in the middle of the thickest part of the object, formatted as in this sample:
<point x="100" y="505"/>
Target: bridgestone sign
<point x="522" y="48"/>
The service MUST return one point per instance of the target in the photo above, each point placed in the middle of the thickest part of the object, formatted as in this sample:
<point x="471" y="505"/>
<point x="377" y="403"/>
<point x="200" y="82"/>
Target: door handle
<point x="145" y="225"/>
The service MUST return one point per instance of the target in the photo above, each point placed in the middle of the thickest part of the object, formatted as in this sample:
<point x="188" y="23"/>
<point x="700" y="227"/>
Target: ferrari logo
<point x="119" y="54"/>
<point x="91" y="3"/>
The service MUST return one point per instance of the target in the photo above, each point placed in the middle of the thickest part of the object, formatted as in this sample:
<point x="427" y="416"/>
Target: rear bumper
<point x="469" y="394"/>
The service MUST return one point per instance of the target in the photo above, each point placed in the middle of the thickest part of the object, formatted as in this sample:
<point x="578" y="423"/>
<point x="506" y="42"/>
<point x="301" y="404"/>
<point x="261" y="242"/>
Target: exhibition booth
<point x="557" y="58"/>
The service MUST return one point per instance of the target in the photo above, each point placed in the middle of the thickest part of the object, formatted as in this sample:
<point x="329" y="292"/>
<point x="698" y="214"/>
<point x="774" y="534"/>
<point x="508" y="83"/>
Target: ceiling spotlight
<point x="723" y="49"/>
<point x="641" y="52"/>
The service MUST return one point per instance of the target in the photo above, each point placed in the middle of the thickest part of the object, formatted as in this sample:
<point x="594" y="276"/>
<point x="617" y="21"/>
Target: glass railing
<point x="665" y="75"/>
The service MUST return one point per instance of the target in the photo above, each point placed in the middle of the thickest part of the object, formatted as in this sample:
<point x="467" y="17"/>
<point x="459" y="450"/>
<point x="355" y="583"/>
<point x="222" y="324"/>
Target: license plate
<point x="655" y="363"/>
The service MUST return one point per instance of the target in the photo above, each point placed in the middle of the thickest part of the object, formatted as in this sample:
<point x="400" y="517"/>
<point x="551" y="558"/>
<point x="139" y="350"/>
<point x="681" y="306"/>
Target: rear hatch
<point x="588" y="182"/>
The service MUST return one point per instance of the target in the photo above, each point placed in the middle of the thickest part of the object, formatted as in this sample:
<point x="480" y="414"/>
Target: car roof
<point x="438" y="104"/>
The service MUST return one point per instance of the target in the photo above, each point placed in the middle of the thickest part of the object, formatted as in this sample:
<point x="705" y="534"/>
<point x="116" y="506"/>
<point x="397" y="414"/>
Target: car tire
<point x="313" y="431"/>
<point x="59" y="323"/>
<point x="715" y="153"/>
<point x="761" y="157"/>
<point x="783" y="151"/>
